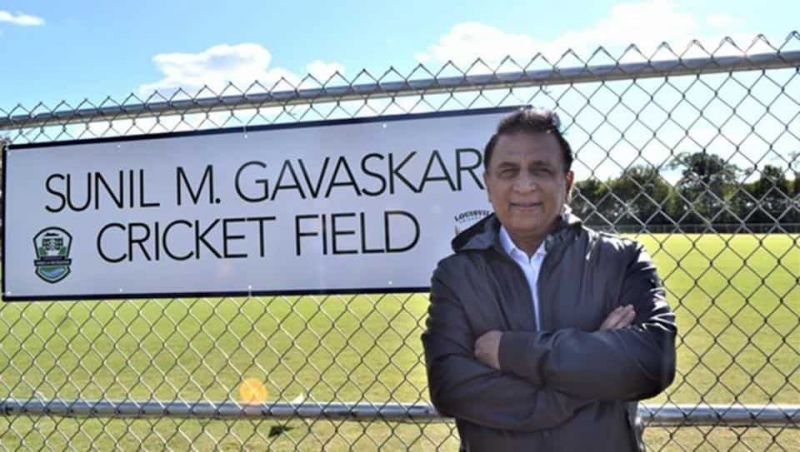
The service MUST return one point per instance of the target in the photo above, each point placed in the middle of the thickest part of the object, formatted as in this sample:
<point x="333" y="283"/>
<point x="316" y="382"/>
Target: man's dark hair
<point x="528" y="120"/>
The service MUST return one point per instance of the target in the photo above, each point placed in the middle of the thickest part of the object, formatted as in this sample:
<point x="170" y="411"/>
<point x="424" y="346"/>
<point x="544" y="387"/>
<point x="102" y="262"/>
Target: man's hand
<point x="619" y="318"/>
<point x="487" y="348"/>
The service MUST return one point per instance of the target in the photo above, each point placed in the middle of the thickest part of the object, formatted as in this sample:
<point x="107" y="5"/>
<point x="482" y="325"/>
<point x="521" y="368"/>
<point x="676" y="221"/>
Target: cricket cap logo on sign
<point x="52" y="247"/>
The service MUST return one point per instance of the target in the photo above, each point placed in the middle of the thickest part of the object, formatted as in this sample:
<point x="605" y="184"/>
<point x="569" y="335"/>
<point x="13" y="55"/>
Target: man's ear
<point x="486" y="185"/>
<point x="570" y="176"/>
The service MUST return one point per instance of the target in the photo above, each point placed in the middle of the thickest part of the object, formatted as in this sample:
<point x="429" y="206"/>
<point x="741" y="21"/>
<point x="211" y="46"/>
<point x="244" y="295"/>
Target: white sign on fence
<point x="339" y="206"/>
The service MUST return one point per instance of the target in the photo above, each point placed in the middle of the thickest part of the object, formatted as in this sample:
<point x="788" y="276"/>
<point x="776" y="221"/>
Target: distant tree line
<point x="707" y="197"/>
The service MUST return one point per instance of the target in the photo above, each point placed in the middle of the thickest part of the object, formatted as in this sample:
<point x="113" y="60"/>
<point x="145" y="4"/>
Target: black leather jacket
<point x="568" y="386"/>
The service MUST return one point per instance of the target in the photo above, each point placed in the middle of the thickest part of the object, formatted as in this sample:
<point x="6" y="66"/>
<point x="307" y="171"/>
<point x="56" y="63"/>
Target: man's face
<point x="526" y="183"/>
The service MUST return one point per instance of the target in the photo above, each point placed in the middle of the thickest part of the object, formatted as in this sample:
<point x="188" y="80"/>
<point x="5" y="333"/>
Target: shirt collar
<point x="510" y="248"/>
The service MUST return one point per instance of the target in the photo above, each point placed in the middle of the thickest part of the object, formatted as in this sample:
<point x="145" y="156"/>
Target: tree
<point x="587" y="199"/>
<point x="794" y="165"/>
<point x="707" y="184"/>
<point x="772" y="197"/>
<point x="645" y="196"/>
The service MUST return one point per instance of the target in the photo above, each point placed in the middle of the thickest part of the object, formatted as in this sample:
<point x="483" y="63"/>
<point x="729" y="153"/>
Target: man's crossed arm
<point x="487" y="347"/>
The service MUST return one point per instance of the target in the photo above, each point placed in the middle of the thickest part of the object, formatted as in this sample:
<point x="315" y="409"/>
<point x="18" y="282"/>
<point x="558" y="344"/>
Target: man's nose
<point x="525" y="183"/>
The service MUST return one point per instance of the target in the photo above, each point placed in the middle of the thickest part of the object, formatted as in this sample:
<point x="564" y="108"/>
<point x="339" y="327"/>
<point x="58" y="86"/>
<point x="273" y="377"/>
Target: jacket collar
<point x="485" y="234"/>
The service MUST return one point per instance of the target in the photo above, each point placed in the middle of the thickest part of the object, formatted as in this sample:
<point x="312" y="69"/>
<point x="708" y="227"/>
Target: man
<point x="542" y="334"/>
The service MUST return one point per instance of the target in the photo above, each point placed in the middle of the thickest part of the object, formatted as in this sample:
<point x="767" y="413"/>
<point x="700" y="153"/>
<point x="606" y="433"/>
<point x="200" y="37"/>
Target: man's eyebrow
<point x="508" y="164"/>
<point x="542" y="163"/>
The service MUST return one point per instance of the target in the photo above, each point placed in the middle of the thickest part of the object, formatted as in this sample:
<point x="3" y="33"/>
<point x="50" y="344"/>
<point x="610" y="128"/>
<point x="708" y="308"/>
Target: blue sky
<point x="55" y="50"/>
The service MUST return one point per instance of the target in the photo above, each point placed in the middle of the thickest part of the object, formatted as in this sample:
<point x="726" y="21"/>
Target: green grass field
<point x="737" y="298"/>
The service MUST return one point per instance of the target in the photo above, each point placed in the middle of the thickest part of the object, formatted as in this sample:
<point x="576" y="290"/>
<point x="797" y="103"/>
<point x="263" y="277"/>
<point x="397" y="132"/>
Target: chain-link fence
<point x="694" y="153"/>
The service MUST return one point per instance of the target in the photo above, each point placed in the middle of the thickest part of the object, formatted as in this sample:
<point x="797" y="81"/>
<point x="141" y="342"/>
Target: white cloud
<point x="722" y="21"/>
<point x="23" y="20"/>
<point x="322" y="71"/>
<point x="215" y="67"/>
<point x="468" y="41"/>
<point x="646" y="24"/>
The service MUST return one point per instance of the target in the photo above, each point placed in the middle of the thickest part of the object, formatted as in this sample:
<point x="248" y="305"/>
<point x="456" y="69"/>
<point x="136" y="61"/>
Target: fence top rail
<point x="700" y="414"/>
<point x="157" y="105"/>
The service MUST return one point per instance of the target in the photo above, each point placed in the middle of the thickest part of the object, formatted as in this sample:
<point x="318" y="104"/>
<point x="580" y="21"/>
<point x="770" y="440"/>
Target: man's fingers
<point x="607" y="321"/>
<point x="630" y="316"/>
<point x="487" y="348"/>
<point x="613" y="318"/>
<point x="626" y="316"/>
<point x="620" y="317"/>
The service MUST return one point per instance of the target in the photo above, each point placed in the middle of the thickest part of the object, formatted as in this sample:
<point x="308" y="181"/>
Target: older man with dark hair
<point x="543" y="334"/>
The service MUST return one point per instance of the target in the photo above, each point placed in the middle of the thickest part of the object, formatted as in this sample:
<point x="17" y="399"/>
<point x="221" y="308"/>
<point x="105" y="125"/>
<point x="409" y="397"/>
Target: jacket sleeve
<point x="462" y="387"/>
<point x="632" y="363"/>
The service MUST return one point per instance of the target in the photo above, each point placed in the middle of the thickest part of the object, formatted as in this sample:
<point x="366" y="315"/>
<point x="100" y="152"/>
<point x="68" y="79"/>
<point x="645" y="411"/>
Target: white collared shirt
<point x="530" y="267"/>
